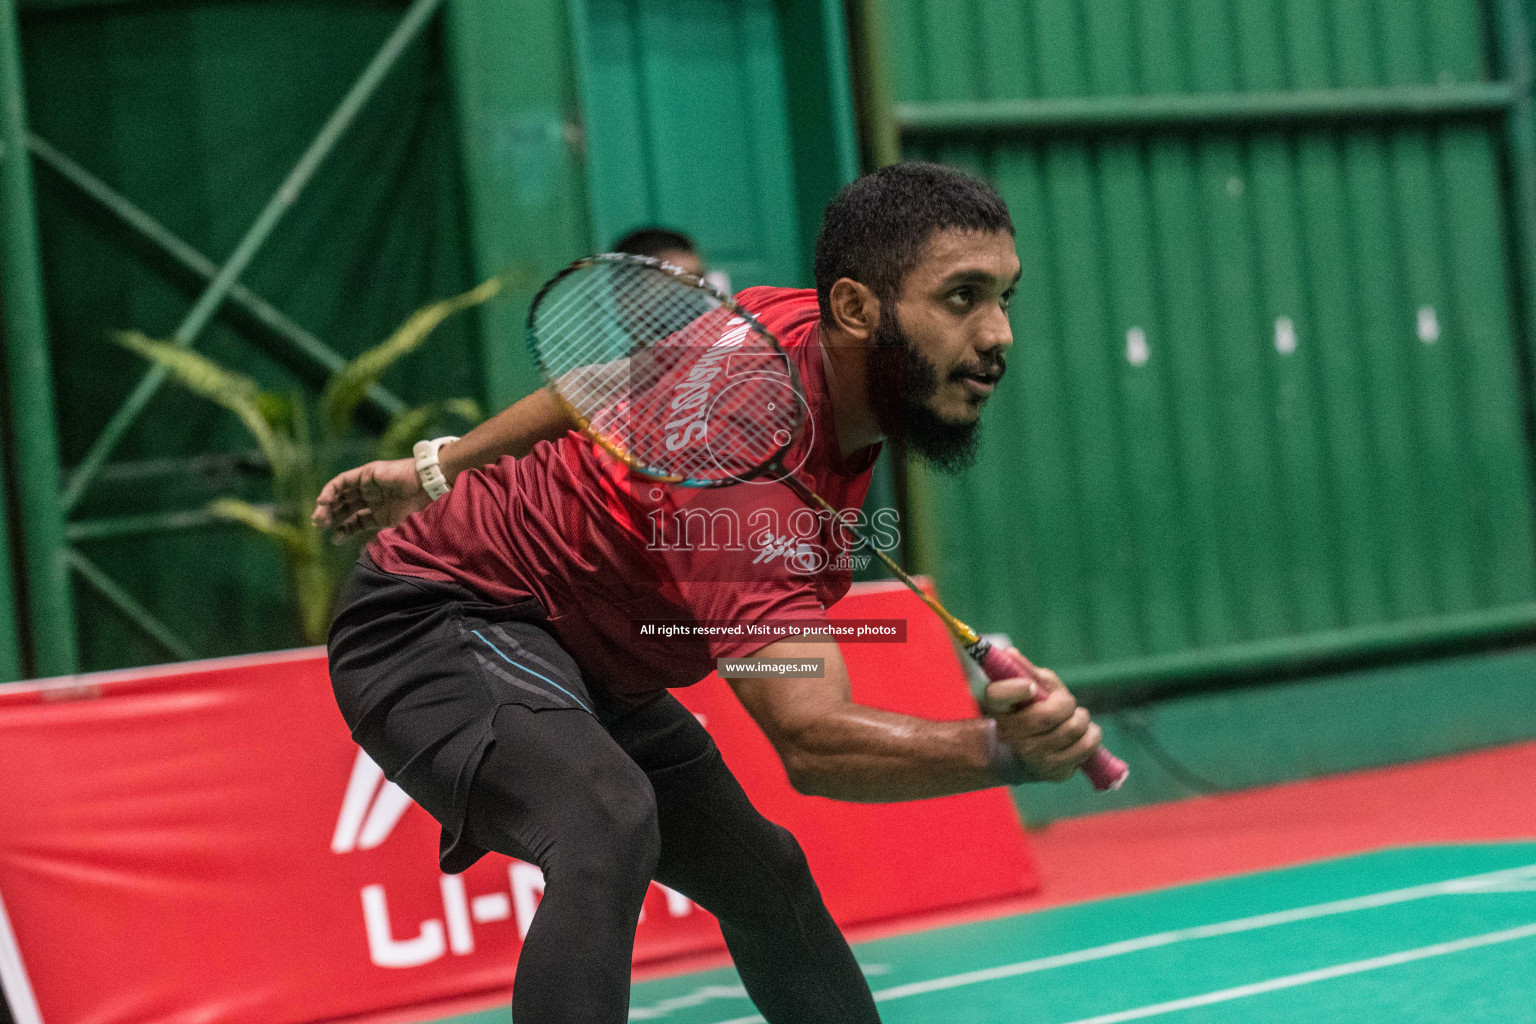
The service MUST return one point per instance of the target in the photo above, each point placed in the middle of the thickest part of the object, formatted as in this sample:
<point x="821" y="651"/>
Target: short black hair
<point x="653" y="242"/>
<point x="878" y="228"/>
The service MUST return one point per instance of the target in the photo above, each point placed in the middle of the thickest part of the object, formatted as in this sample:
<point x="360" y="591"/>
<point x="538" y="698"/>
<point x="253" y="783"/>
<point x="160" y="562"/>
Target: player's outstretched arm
<point x="513" y="431"/>
<point x="836" y="748"/>
<point x="381" y="494"/>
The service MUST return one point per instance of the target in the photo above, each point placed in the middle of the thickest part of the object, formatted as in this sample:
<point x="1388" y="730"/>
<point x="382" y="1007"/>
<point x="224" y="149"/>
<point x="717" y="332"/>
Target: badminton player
<point x="485" y="652"/>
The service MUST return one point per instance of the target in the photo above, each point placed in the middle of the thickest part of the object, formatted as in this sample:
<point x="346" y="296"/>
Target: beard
<point x="901" y="382"/>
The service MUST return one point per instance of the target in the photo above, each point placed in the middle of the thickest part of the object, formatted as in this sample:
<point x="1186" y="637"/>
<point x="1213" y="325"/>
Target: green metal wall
<point x="731" y="120"/>
<point x="1265" y="399"/>
<point x="470" y="157"/>
<point x="519" y="117"/>
<point x="10" y="636"/>
<point x="686" y="126"/>
<point x="698" y="115"/>
<point x="15" y="211"/>
<point x="196" y="112"/>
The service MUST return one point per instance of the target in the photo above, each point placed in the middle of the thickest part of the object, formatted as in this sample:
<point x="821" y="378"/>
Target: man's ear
<point x="855" y="309"/>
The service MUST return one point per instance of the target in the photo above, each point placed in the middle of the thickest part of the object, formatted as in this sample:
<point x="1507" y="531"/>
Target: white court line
<point x="698" y="997"/>
<point x="13" y="975"/>
<point x="1375" y="963"/>
<point x="1242" y="924"/>
<point x="1468" y="883"/>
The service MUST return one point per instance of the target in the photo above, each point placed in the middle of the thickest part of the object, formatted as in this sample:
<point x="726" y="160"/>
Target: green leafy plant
<point x="299" y="439"/>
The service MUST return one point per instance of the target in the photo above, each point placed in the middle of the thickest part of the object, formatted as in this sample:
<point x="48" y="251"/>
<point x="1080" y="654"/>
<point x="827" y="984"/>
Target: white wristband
<point x="1003" y="762"/>
<point x="428" y="471"/>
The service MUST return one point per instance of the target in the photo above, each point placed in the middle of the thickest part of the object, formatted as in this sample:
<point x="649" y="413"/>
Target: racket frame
<point x="774" y="461"/>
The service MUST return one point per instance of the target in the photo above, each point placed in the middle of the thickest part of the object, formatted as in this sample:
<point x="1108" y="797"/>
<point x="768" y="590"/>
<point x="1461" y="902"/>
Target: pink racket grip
<point x="1104" y="770"/>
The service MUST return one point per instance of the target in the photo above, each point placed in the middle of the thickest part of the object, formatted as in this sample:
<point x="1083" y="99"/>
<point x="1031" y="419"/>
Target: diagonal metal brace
<point x="168" y="242"/>
<point x="410" y="26"/>
<point x="124" y="602"/>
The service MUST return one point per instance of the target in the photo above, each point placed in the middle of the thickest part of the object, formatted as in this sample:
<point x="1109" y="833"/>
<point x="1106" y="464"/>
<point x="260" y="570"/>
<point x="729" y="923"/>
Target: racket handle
<point x="1104" y="770"/>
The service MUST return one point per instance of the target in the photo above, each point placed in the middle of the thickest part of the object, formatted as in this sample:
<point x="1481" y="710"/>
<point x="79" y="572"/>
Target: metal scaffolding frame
<point x="515" y="101"/>
<point x="50" y="603"/>
<point x="10" y="640"/>
<point x="46" y="499"/>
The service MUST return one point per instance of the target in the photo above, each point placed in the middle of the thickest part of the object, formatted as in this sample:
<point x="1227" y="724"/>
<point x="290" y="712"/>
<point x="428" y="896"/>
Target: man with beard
<point x="484" y="652"/>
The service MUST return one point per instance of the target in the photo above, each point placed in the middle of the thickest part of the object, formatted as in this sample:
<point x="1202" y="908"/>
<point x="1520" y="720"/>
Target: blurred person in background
<point x="663" y="244"/>
<point x="675" y="248"/>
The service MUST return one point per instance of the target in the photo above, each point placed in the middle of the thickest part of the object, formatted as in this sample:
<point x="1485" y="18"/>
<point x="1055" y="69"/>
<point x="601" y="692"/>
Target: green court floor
<point x="1437" y="935"/>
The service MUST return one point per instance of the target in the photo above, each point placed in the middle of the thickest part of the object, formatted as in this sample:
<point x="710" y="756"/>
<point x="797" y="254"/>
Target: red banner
<point x="203" y="842"/>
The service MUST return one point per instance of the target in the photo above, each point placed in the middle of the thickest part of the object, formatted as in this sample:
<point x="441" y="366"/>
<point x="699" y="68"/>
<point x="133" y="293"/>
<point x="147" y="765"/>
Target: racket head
<point x="667" y="373"/>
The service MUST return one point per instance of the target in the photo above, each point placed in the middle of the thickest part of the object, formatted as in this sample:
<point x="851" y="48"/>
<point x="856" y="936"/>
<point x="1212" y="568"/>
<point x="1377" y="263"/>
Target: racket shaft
<point x="1104" y="770"/>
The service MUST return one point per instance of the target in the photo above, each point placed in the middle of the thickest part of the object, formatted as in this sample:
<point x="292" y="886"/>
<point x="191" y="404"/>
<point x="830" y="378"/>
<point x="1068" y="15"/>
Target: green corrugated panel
<point x="1265" y="381"/>
<point x="515" y="90"/>
<point x="996" y="49"/>
<point x="731" y="120"/>
<point x="686" y="126"/>
<point x="701" y="116"/>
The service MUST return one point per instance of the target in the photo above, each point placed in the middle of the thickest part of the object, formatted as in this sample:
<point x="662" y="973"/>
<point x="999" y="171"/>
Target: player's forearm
<point x="513" y="431"/>
<point x="868" y="755"/>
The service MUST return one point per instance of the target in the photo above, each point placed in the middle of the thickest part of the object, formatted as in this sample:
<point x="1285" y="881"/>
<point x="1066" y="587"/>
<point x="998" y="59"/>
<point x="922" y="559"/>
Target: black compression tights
<point x="603" y="811"/>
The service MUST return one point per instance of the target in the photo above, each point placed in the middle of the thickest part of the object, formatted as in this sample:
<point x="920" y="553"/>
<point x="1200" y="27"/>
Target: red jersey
<point x="605" y="550"/>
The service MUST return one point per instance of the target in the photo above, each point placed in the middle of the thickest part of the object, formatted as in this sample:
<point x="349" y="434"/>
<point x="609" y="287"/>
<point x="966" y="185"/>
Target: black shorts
<point x="450" y="693"/>
<point x="419" y="669"/>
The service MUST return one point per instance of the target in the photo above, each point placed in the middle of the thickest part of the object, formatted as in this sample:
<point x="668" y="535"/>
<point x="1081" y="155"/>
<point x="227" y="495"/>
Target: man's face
<point x="939" y="350"/>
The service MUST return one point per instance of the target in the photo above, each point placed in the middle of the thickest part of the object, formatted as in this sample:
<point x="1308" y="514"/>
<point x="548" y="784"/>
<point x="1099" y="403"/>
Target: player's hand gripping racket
<point x="676" y="380"/>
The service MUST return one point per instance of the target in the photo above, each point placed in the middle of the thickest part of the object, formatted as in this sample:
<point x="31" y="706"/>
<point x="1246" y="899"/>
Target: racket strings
<point x="661" y="369"/>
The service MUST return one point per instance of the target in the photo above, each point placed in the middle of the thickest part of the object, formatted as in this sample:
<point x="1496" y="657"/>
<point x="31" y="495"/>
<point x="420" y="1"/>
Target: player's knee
<point x="637" y="835"/>
<point x="777" y="890"/>
<point x="616" y="841"/>
<point x="786" y="860"/>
